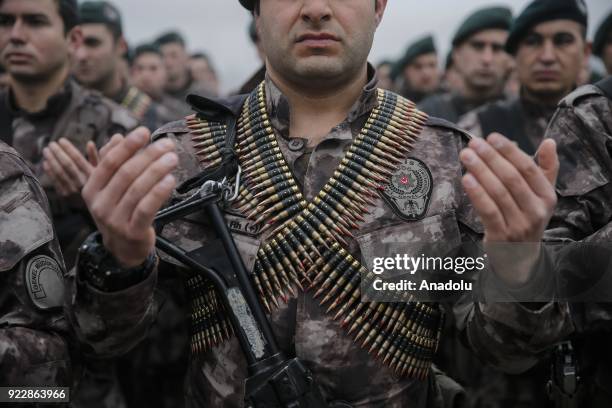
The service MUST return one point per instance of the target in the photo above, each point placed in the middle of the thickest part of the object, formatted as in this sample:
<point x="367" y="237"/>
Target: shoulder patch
<point x="584" y="91"/>
<point x="44" y="282"/>
<point x="178" y="126"/>
<point x="443" y="123"/>
<point x="409" y="191"/>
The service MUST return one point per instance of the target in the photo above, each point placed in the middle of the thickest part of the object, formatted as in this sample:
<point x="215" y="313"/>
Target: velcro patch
<point x="44" y="282"/>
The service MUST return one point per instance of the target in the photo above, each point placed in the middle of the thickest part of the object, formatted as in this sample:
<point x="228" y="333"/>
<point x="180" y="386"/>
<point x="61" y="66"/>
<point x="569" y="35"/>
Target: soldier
<point x="34" y="334"/>
<point x="179" y="83"/>
<point x="418" y="69"/>
<point x="318" y="79"/>
<point x="549" y="43"/>
<point x="481" y="62"/>
<point x="99" y="62"/>
<point x="149" y="75"/>
<point x="602" y="44"/>
<point x="44" y="110"/>
<point x="202" y="71"/>
<point x="581" y="126"/>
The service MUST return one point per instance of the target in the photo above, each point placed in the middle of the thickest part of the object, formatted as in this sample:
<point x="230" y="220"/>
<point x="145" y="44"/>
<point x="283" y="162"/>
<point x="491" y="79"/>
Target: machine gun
<point x="274" y="380"/>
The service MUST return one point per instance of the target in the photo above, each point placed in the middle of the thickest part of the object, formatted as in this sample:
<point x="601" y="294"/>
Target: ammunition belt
<point x="307" y="244"/>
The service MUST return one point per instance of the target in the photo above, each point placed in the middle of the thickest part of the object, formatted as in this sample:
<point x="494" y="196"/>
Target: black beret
<point x="69" y="11"/>
<point x="248" y="4"/>
<point x="101" y="12"/>
<point x="601" y="36"/>
<point x="539" y="11"/>
<point x="170" y="37"/>
<point x="483" y="19"/>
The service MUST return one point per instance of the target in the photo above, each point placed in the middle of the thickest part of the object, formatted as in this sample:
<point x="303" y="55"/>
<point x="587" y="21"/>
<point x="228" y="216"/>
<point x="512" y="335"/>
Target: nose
<point x="18" y="34"/>
<point x="487" y="55"/>
<point x="547" y="52"/>
<point x="316" y="11"/>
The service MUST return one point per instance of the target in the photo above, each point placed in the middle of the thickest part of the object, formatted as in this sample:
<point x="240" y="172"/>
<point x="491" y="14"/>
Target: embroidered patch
<point x="409" y="191"/>
<point x="44" y="282"/>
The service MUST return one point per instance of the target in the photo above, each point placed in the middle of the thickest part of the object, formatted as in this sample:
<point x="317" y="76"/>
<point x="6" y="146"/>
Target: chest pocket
<point x="435" y="234"/>
<point x="24" y="227"/>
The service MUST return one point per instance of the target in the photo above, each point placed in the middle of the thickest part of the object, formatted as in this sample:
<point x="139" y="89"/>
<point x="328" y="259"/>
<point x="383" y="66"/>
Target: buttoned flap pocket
<point x="24" y="226"/>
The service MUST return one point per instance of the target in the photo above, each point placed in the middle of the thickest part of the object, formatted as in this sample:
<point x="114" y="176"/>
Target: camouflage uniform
<point x="582" y="128"/>
<point x="34" y="349"/>
<point x="80" y="116"/>
<point x="518" y="119"/>
<point x="449" y="105"/>
<point x="345" y="372"/>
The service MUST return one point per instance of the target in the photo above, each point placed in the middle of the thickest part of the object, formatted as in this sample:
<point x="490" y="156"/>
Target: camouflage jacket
<point x="33" y="344"/>
<point x="509" y="335"/>
<point x="449" y="106"/>
<point x="80" y="116"/>
<point x="517" y="119"/>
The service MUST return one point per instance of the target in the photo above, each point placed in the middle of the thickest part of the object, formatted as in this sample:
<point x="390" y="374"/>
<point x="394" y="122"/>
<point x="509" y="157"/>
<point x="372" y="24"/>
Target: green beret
<point x="540" y="11"/>
<point x="483" y="19"/>
<point x="170" y="38"/>
<point x="421" y="47"/>
<point x="601" y="36"/>
<point x="101" y="12"/>
<point x="248" y="4"/>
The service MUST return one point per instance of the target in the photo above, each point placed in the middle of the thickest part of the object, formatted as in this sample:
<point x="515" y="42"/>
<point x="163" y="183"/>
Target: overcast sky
<point x="219" y="27"/>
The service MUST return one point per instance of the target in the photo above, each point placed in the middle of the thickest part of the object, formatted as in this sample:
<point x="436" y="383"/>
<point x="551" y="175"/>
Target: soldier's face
<point x="149" y="74"/>
<point x="97" y="59"/>
<point x="318" y="42"/>
<point x="32" y="40"/>
<point x="175" y="59"/>
<point x="550" y="57"/>
<point x="422" y="75"/>
<point x="481" y="60"/>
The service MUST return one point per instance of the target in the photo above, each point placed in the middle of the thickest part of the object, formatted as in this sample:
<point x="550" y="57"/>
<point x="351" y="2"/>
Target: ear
<point x="122" y="46"/>
<point x="588" y="49"/>
<point x="75" y="39"/>
<point x="379" y="9"/>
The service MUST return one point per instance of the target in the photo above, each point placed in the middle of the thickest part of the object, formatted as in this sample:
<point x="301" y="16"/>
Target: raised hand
<point x="513" y="195"/>
<point x="125" y="191"/>
<point x="67" y="168"/>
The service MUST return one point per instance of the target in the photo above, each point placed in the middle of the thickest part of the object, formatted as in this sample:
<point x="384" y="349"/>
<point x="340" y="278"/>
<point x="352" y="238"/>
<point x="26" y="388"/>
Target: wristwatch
<point x="100" y="268"/>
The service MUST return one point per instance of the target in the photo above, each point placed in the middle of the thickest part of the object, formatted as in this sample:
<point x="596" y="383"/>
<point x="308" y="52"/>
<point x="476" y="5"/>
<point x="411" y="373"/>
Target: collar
<point x="279" y="111"/>
<point x="55" y="104"/>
